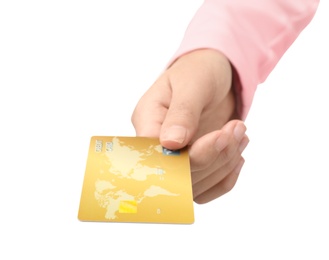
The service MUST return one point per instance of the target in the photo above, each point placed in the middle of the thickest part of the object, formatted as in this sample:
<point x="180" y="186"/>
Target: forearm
<point x="252" y="34"/>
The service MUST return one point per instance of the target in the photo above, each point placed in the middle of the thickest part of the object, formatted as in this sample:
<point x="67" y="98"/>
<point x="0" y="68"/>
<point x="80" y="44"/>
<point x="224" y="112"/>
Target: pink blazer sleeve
<point x="253" y="34"/>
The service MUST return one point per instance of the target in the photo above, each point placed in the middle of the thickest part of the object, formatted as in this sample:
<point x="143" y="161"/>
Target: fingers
<point x="205" y="153"/>
<point x="217" y="176"/>
<point x="214" y="160"/>
<point x="215" y="150"/>
<point x="222" y="187"/>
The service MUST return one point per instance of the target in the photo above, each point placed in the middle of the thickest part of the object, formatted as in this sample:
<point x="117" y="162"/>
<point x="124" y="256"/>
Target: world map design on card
<point x="135" y="179"/>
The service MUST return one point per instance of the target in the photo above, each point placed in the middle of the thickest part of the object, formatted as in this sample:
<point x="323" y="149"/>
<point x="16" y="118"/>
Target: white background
<point x="73" y="69"/>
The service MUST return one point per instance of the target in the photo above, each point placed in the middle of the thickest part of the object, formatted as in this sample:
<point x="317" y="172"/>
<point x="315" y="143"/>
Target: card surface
<point x="135" y="179"/>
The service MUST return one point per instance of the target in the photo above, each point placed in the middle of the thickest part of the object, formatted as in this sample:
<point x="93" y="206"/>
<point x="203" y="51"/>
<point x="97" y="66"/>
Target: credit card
<point x="135" y="179"/>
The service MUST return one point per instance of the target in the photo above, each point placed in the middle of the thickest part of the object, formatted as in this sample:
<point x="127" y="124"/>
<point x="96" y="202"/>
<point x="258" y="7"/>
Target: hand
<point x="189" y="104"/>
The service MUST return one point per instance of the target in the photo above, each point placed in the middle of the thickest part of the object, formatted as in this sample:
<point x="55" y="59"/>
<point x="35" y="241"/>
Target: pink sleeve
<point x="253" y="34"/>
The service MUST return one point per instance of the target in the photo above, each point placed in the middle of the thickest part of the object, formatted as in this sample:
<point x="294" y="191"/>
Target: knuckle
<point x="229" y="183"/>
<point x="226" y="155"/>
<point x="200" y="163"/>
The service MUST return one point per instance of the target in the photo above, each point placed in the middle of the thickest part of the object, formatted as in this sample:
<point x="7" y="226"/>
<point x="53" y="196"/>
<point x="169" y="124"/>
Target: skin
<point x="192" y="103"/>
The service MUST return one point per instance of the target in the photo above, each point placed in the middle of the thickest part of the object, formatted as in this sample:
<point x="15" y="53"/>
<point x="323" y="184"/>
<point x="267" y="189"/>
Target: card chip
<point x="128" y="206"/>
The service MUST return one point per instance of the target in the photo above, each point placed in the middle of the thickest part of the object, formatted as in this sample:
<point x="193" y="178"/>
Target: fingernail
<point x="239" y="131"/>
<point x="175" y="134"/>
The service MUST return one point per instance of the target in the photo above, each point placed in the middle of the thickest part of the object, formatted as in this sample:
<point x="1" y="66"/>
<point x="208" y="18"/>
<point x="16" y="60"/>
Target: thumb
<point x="182" y="118"/>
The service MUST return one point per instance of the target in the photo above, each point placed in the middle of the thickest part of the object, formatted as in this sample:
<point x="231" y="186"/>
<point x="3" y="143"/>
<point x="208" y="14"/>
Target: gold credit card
<point x="135" y="179"/>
